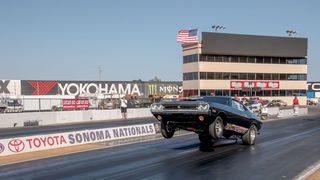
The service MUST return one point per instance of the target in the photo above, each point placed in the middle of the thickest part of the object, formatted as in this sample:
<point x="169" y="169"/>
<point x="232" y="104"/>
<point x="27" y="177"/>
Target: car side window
<point x="237" y="105"/>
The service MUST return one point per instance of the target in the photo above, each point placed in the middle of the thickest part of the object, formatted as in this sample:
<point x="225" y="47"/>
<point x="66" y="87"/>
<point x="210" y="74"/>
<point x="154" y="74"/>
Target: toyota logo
<point x="16" y="145"/>
<point x="1" y="148"/>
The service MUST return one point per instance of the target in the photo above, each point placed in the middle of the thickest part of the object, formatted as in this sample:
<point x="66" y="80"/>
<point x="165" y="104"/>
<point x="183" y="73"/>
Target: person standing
<point x="123" y="107"/>
<point x="295" y="105"/>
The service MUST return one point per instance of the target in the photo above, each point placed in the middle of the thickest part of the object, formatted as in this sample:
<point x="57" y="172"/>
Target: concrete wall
<point x="51" y="118"/>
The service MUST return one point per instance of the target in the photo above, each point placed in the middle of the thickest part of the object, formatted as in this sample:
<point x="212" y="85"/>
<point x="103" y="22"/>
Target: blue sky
<point x="134" y="39"/>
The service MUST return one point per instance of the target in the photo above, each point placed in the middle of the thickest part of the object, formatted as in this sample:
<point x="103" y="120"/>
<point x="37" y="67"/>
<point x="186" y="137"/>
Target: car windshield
<point x="220" y="100"/>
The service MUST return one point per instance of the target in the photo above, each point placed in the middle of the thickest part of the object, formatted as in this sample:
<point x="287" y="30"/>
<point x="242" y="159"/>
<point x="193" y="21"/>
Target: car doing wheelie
<point x="211" y="117"/>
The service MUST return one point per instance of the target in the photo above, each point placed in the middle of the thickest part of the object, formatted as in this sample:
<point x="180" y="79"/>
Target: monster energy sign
<point x="161" y="88"/>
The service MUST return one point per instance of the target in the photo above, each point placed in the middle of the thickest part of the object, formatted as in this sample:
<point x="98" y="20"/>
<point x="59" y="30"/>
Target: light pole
<point x="216" y="27"/>
<point x="100" y="71"/>
<point x="291" y="32"/>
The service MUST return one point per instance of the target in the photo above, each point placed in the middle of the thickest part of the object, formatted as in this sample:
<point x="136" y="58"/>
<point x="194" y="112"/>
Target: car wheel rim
<point x="169" y="128"/>
<point x="252" y="135"/>
<point x="218" y="128"/>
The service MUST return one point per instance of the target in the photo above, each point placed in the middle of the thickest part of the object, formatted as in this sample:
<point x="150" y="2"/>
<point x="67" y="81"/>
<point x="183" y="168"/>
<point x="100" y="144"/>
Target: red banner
<point x="254" y="84"/>
<point x="74" y="104"/>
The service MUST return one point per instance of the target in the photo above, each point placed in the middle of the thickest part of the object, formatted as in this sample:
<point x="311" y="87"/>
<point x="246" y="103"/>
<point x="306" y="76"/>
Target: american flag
<point x="187" y="36"/>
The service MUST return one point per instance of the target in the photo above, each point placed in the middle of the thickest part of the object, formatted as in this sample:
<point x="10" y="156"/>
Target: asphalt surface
<point x="284" y="149"/>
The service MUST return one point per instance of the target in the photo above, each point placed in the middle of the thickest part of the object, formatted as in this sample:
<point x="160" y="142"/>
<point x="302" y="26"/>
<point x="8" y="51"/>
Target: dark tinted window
<point x="210" y="75"/>
<point x="244" y="76"/>
<point x="226" y="59"/>
<point x="251" y="60"/>
<point x="267" y="60"/>
<point x="203" y="75"/>
<point x="234" y="59"/>
<point x="218" y="75"/>
<point x="190" y="58"/>
<point x="251" y="76"/>
<point x="220" y="100"/>
<point x="267" y="76"/>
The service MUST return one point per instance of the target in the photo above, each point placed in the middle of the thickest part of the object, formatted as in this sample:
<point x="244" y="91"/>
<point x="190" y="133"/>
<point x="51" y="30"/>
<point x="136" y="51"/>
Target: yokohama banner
<point x="76" y="88"/>
<point x="10" y="87"/>
<point x="20" y="145"/>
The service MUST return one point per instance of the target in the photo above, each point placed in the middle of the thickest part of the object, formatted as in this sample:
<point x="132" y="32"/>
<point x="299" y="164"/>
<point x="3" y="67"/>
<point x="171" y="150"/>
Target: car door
<point x="241" y="117"/>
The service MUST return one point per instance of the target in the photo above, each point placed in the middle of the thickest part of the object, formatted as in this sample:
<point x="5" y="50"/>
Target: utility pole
<point x="100" y="72"/>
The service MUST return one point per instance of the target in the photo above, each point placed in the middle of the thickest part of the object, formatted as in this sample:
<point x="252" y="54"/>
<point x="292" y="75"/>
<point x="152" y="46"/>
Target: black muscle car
<point x="211" y="117"/>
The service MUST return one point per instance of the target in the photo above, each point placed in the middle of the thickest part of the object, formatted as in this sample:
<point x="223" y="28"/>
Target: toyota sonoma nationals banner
<point x="20" y="145"/>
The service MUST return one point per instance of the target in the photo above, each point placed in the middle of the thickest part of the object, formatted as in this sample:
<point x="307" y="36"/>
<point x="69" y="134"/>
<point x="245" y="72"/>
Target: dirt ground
<point x="314" y="176"/>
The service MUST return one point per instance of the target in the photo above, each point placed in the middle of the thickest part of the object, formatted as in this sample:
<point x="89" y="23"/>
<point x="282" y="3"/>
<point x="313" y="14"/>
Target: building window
<point x="190" y="76"/>
<point x="218" y="58"/>
<point x="275" y="77"/>
<point x="251" y="76"/>
<point x="218" y="92"/>
<point x="267" y="76"/>
<point x="292" y="77"/>
<point x="203" y="92"/>
<point x="234" y="75"/>
<point x="267" y="93"/>
<point x="218" y="75"/>
<point x="275" y="60"/>
<point x="283" y="61"/>
<point x="243" y="59"/>
<point x="190" y="92"/>
<point x="259" y="59"/>
<point x="283" y="77"/>
<point x="226" y="75"/>
<point x="244" y="76"/>
<point x="234" y="92"/>
<point x="203" y="75"/>
<point x="251" y="60"/>
<point x="203" y="57"/>
<point x="234" y="59"/>
<point x="267" y="60"/>
<point x="282" y="93"/>
<point x="274" y="92"/>
<point x="259" y="76"/>
<point x="210" y="75"/>
<point x="210" y="58"/>
<point x="190" y="58"/>
<point x="226" y="59"/>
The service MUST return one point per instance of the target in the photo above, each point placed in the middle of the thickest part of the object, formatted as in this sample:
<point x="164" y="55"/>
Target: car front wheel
<point x="167" y="130"/>
<point x="249" y="138"/>
<point x="216" y="128"/>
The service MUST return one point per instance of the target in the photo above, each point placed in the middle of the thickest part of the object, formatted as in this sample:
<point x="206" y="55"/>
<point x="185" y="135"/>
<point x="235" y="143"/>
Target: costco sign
<point x="20" y="145"/>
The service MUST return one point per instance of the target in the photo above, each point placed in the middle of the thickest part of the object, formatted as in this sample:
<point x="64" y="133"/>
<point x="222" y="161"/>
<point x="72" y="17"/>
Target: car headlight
<point x="156" y="107"/>
<point x="203" y="107"/>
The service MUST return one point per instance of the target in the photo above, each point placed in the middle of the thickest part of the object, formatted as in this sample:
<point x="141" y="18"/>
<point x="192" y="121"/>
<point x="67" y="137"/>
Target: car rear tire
<point x="216" y="128"/>
<point x="249" y="138"/>
<point x="167" y="130"/>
